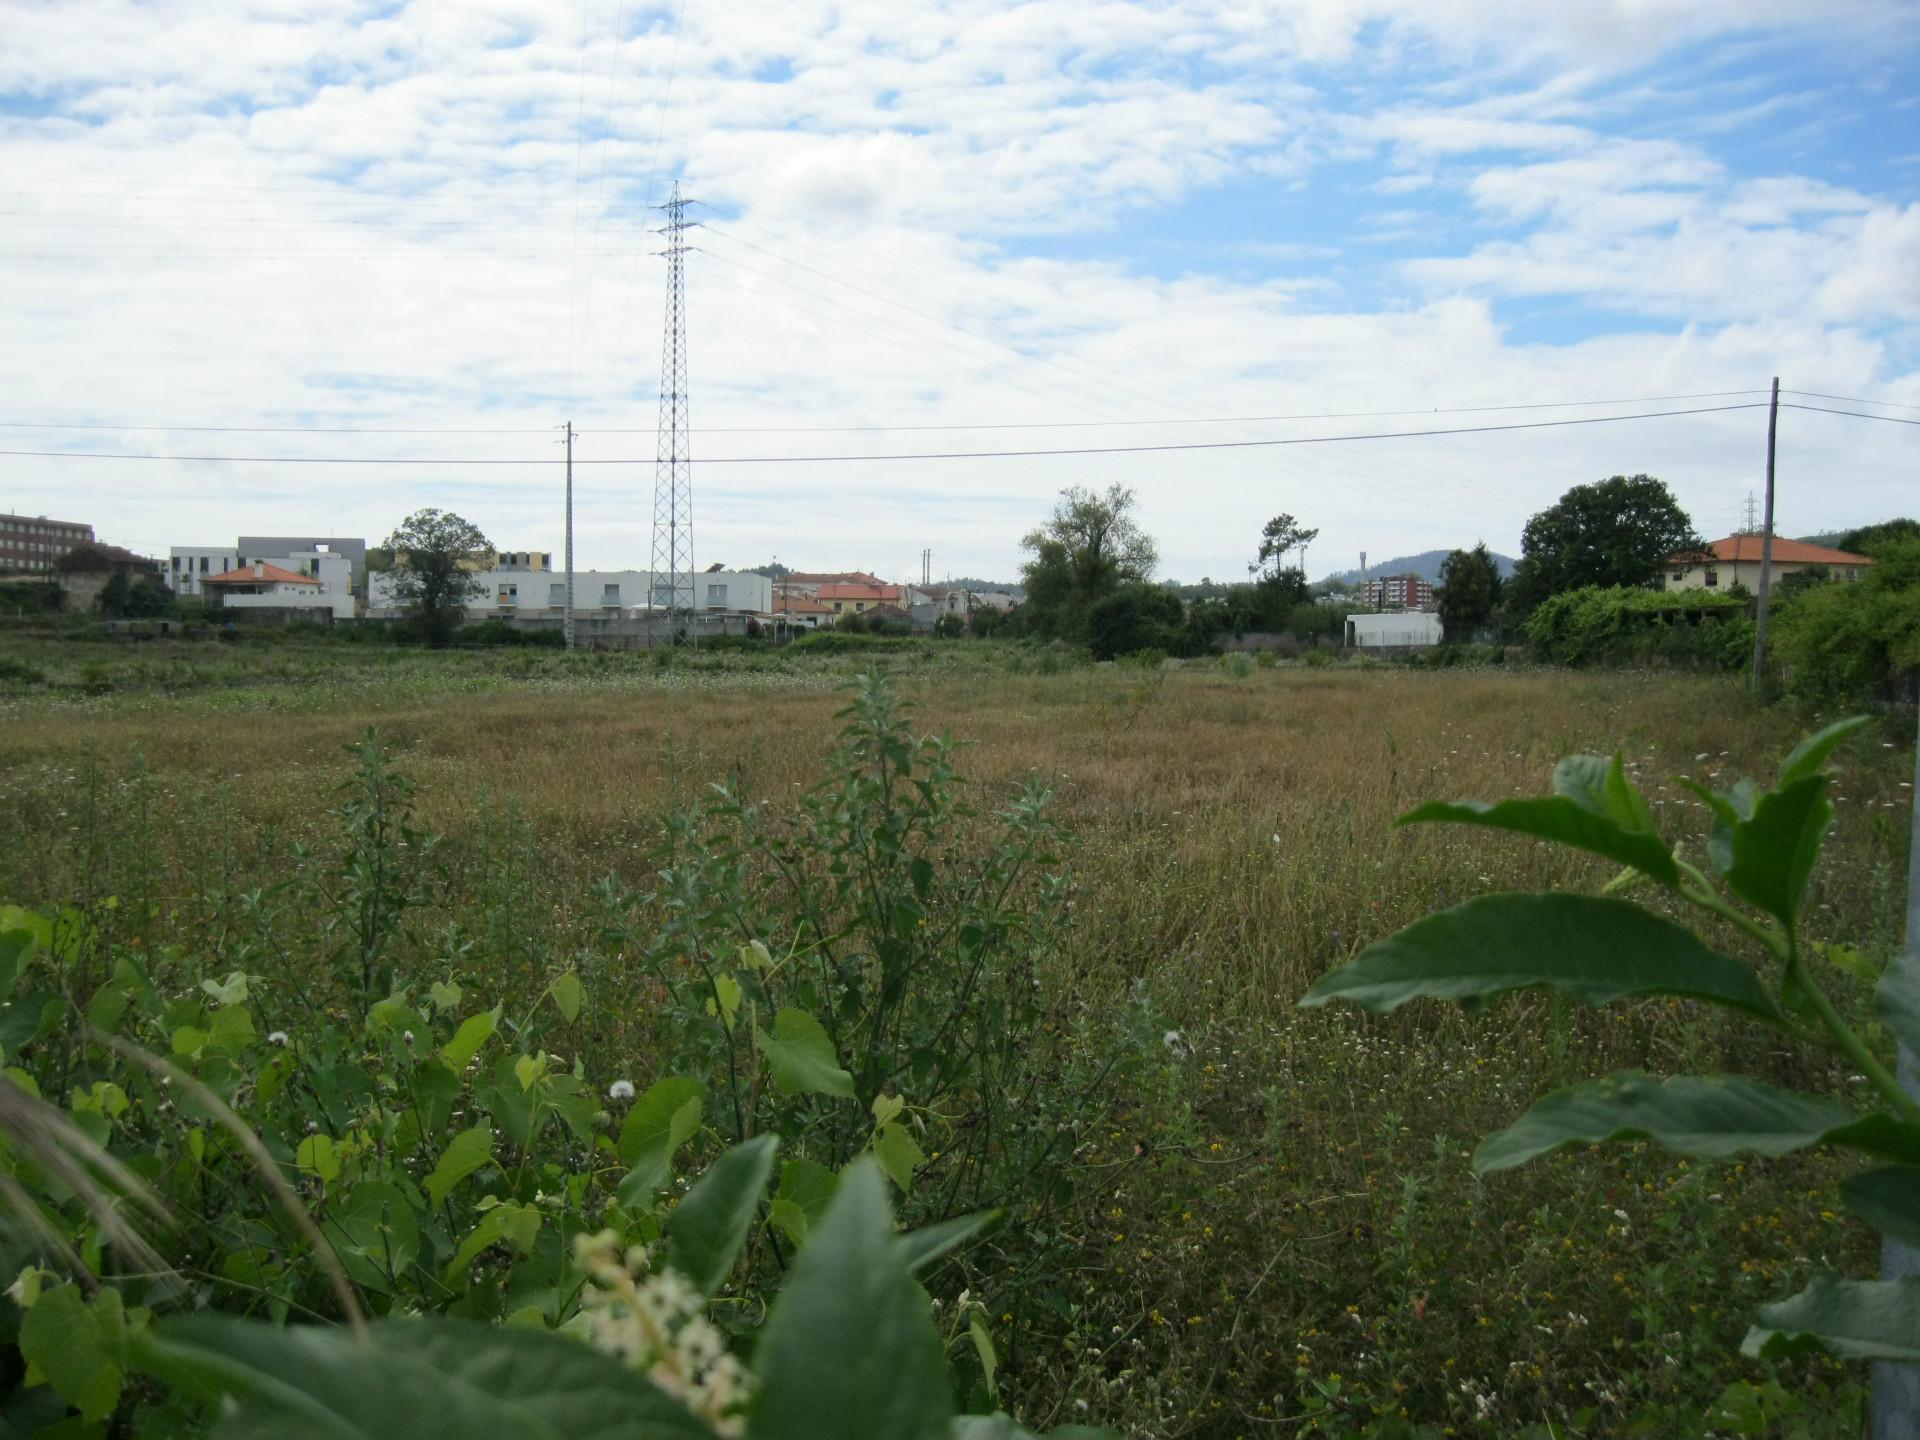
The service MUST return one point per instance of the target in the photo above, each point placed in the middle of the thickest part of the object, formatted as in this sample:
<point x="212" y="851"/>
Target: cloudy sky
<point x="419" y="231"/>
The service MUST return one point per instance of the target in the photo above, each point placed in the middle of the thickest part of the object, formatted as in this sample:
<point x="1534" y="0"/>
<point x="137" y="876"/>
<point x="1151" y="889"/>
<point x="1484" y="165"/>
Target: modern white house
<point x="190" y="567"/>
<point x="542" y="593"/>
<point x="221" y="576"/>
<point x="324" y="586"/>
<point x="1378" y="630"/>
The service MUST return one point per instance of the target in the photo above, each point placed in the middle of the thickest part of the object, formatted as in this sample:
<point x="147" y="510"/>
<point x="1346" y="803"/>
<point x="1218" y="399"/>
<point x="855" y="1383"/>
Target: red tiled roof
<point x="260" y="574"/>
<point x="798" y="605"/>
<point x="860" y="592"/>
<point x="1785" y="552"/>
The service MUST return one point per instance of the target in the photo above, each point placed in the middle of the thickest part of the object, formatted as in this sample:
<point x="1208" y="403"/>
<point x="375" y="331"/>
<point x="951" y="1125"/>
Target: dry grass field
<point x="1276" y="1233"/>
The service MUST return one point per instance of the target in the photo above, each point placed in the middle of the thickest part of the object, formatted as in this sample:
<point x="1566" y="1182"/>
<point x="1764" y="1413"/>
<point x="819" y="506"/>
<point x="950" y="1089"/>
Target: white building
<point x="189" y="567"/>
<point x="543" y="593"/>
<point x="315" y="582"/>
<point x="1372" y="630"/>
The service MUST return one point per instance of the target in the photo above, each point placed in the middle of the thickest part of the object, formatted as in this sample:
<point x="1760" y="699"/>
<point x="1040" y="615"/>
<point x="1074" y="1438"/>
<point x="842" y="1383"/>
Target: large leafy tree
<point x="1619" y="531"/>
<point x="1089" y="547"/>
<point x="431" y="551"/>
<point x="1469" y="593"/>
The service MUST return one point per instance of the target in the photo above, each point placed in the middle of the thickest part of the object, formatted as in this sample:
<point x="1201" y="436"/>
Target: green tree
<point x="1620" y="531"/>
<point x="1090" y="547"/>
<point x="114" y="594"/>
<point x="431" y="550"/>
<point x="1135" y="618"/>
<point x="1469" y="593"/>
<point x="1279" y="586"/>
<point x="1868" y="538"/>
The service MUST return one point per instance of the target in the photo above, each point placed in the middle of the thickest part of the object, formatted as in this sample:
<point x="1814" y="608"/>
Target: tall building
<point x="1398" y="592"/>
<point x="33" y="542"/>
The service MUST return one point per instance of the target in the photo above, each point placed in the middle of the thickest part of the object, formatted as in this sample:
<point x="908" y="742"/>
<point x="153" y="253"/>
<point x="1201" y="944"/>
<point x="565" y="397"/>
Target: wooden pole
<point x="1766" y="553"/>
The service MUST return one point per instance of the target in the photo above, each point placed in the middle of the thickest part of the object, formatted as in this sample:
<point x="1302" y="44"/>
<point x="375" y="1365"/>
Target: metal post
<point x="567" y="623"/>
<point x="1766" y="554"/>
<point x="1896" y="1387"/>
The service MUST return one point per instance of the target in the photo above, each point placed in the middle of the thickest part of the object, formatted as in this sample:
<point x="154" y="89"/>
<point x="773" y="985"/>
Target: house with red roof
<point x="1736" y="561"/>
<point x="857" y="597"/>
<point x="265" y="586"/>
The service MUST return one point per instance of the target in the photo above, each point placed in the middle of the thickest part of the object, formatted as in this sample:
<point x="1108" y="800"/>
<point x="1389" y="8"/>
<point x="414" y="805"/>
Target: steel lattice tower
<point x="673" y="463"/>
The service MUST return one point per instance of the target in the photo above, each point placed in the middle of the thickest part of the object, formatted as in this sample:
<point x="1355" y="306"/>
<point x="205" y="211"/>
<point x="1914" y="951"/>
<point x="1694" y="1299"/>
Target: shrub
<point x="1859" y="639"/>
<point x="1137" y="617"/>
<point x="1621" y="625"/>
<point x="853" y="642"/>
<point x="503" y="632"/>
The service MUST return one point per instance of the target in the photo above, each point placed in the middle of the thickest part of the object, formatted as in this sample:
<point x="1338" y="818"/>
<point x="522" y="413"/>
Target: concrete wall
<point x="542" y="593"/>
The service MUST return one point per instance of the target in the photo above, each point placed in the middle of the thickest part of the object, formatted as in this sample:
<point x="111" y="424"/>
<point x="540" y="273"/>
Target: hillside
<point x="1426" y="565"/>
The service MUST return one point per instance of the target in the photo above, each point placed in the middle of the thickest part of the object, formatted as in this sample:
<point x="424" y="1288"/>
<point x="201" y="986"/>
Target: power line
<point x="925" y="455"/>
<point x="1852" y="399"/>
<point x="1194" y="419"/>
<point x="1857" y="414"/>
<point x="866" y="429"/>
<point x="270" y="429"/>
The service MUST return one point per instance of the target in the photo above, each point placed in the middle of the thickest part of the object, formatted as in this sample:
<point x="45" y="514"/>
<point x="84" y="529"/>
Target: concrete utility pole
<point x="566" y="627"/>
<point x="1896" y="1387"/>
<point x="1766" y="553"/>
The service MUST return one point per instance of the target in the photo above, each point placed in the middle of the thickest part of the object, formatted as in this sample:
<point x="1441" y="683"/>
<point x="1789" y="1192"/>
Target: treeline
<point x="1089" y="581"/>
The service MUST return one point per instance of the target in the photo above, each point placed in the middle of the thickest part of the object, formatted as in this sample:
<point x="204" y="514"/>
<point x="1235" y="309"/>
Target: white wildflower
<point x="659" y="1326"/>
<point x="620" y="1090"/>
<point x="1177" y="1043"/>
<point x="276" y="1037"/>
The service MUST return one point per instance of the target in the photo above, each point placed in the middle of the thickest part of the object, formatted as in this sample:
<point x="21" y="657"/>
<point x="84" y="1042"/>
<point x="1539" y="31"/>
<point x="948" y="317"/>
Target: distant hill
<point x="1426" y="565"/>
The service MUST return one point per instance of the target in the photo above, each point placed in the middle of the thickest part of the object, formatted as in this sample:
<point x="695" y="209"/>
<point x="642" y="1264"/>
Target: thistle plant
<point x="1602" y="949"/>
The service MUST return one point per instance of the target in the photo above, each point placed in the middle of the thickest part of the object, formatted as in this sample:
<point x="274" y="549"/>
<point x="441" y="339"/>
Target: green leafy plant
<point x="1599" y="949"/>
<point x="849" y="1349"/>
<point x="858" y="972"/>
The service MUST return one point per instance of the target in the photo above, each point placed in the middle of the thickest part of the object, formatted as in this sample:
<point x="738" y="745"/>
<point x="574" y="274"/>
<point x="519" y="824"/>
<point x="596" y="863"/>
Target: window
<point x="203" y="564"/>
<point x="610" y="595"/>
<point x="557" y="595"/>
<point x="1713" y="577"/>
<point x="716" y="596"/>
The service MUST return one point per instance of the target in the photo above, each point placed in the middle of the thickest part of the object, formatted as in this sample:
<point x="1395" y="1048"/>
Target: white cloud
<point x="295" y="214"/>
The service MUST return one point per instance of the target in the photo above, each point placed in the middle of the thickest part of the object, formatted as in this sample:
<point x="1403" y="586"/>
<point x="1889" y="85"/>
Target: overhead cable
<point x="924" y="455"/>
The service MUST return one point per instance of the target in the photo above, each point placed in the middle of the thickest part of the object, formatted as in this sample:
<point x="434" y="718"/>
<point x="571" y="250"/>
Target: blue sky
<point x="1104" y="222"/>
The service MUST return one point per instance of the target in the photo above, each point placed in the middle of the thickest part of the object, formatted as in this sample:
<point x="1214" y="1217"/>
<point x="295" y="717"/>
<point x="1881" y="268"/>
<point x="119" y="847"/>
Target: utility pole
<point x="566" y="626"/>
<point x="1766" y="553"/>
<point x="673" y="456"/>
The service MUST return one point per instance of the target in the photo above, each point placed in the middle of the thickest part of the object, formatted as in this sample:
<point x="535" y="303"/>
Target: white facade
<point x="1376" y="629"/>
<point x="324" y="582"/>
<point x="543" y="593"/>
<point x="188" y="567"/>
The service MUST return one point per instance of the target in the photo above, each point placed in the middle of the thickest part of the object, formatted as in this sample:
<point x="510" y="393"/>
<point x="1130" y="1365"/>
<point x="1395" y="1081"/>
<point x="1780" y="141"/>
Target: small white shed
<point x="1375" y="630"/>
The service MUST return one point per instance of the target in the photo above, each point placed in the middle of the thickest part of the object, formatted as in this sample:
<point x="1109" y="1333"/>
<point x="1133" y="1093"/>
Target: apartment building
<point x="33" y="542"/>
